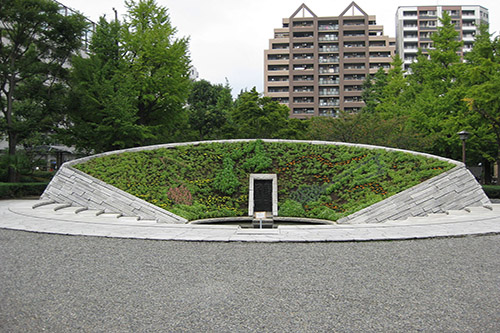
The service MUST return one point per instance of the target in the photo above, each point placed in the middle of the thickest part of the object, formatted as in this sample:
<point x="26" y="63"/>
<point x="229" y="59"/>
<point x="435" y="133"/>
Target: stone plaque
<point x="263" y="195"/>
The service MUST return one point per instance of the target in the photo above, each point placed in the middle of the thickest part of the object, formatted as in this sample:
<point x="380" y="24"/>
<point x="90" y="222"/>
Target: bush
<point x="19" y="190"/>
<point x="291" y="208"/>
<point x="492" y="191"/>
<point x="226" y="181"/>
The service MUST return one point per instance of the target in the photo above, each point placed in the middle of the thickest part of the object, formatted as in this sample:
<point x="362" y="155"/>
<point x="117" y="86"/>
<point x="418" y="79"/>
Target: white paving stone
<point x="20" y="215"/>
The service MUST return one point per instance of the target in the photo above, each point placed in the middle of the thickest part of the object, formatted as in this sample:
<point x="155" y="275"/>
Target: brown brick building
<point x="317" y="65"/>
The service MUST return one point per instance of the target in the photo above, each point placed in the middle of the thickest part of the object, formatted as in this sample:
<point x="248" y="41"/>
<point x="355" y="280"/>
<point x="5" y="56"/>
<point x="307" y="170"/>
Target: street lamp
<point x="463" y="135"/>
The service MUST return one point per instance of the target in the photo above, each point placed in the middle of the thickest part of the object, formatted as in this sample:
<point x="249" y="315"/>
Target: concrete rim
<point x="19" y="215"/>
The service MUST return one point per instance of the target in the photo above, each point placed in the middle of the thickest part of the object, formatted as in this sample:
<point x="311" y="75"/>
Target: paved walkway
<point x="60" y="219"/>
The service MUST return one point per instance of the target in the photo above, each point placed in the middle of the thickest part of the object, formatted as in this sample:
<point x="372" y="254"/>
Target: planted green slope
<point x="211" y="180"/>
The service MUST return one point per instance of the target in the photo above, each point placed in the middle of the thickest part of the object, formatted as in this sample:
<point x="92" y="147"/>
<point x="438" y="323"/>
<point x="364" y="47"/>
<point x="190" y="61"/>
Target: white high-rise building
<point x="415" y="25"/>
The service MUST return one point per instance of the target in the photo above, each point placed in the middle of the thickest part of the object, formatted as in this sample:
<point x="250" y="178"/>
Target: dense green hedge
<point x="211" y="180"/>
<point x="492" y="191"/>
<point x="19" y="190"/>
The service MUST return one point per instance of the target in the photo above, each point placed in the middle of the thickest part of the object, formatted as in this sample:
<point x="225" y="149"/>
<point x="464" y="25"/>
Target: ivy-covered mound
<point x="212" y="179"/>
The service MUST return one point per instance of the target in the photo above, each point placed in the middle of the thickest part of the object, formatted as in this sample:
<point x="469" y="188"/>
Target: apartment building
<point x="317" y="65"/>
<point x="87" y="34"/>
<point x="415" y="25"/>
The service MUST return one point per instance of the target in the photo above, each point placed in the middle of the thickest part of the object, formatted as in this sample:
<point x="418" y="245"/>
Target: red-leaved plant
<point x="180" y="195"/>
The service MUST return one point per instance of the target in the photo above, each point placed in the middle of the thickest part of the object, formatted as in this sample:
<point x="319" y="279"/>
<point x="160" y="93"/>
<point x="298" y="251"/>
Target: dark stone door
<point x="263" y="195"/>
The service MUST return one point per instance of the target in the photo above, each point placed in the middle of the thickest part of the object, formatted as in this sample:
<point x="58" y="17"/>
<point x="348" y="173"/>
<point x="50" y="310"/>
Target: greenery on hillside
<point x="211" y="180"/>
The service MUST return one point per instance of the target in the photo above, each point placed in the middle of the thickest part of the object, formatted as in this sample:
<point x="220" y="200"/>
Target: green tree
<point x="368" y="128"/>
<point x="36" y="42"/>
<point x="391" y="99"/>
<point x="433" y="99"/>
<point x="261" y="117"/>
<point x="482" y="79"/>
<point x="103" y="113"/>
<point x="132" y="89"/>
<point x="159" y="63"/>
<point x="373" y="90"/>
<point x="209" y="109"/>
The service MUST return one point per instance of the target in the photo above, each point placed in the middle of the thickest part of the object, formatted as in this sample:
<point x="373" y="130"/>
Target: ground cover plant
<point x="212" y="179"/>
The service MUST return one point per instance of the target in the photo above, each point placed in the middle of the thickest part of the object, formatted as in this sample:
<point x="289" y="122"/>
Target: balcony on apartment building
<point x="432" y="25"/>
<point x="302" y="78"/>
<point x="328" y="69"/>
<point x="278" y="69"/>
<point x="328" y="37"/>
<point x="329" y="80"/>
<point x="353" y="88"/>
<point x="280" y="46"/>
<point x="303" y="25"/>
<point x="328" y="26"/>
<point x="276" y="80"/>
<point x="303" y="110"/>
<point x="354" y="55"/>
<point x="410" y="25"/>
<point x="328" y="59"/>
<point x="303" y="56"/>
<point x="303" y="89"/>
<point x="427" y="14"/>
<point x="329" y="102"/>
<point x="352" y="45"/>
<point x="303" y="67"/>
<point x="410" y="14"/>
<point x="468" y="13"/>
<point x="328" y="48"/>
<point x="279" y="91"/>
<point x="354" y="34"/>
<point x="410" y="36"/>
<point x="328" y="112"/>
<point x="303" y="100"/>
<point x="328" y="91"/>
<point x="303" y="46"/>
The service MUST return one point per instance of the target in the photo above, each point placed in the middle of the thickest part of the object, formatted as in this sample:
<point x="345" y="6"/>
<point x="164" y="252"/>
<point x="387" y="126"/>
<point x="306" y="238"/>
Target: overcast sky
<point x="228" y="37"/>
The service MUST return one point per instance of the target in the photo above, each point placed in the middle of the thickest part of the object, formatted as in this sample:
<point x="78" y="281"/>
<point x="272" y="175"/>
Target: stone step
<point x="109" y="215"/>
<point x="461" y="212"/>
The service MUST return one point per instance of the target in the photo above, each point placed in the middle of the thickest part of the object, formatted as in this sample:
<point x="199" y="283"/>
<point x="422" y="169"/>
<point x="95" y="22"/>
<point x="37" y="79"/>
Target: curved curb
<point x="19" y="215"/>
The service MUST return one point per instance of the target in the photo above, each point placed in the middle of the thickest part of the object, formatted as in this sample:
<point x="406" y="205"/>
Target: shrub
<point x="307" y="193"/>
<point x="291" y="208"/>
<point x="492" y="191"/>
<point x="226" y="180"/>
<point x="260" y="161"/>
<point x="19" y="190"/>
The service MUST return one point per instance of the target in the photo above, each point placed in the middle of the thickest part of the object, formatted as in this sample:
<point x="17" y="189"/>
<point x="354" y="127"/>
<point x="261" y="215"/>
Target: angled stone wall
<point x="454" y="189"/>
<point x="74" y="187"/>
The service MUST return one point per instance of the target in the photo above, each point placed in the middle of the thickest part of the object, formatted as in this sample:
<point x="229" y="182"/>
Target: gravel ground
<point x="66" y="283"/>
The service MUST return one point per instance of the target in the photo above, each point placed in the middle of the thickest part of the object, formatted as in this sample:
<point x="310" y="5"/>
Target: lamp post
<point x="463" y="135"/>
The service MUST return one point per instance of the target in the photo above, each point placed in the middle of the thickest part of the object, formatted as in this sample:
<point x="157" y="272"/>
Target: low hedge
<point x="19" y="190"/>
<point x="492" y="191"/>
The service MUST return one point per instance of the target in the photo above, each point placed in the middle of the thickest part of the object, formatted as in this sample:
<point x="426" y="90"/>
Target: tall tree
<point x="482" y="77"/>
<point x="261" y="117"/>
<point x="391" y="99"/>
<point x="103" y="105"/>
<point x="159" y="63"/>
<point x="132" y="89"/>
<point x="373" y="90"/>
<point x="35" y="44"/>
<point x="209" y="108"/>
<point x="433" y="98"/>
